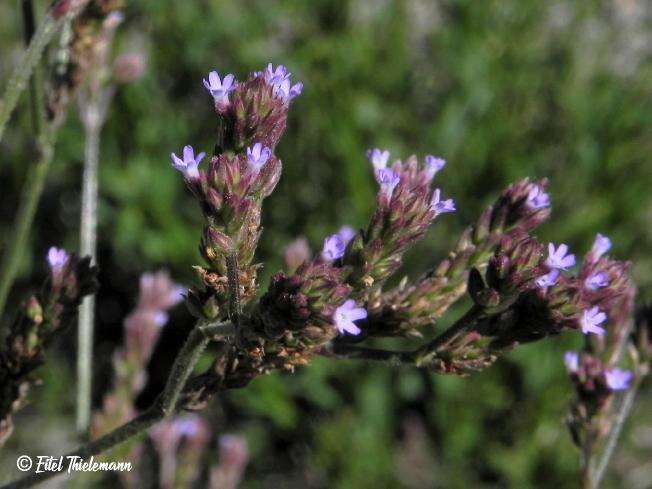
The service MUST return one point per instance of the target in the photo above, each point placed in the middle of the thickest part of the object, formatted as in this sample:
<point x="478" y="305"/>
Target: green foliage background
<point x="501" y="89"/>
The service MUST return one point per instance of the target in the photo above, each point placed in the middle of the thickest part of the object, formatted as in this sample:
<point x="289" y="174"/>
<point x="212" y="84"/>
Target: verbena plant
<point x="336" y="303"/>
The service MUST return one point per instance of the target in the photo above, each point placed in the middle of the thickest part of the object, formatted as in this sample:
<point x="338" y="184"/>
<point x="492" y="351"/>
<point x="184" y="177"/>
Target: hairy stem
<point x="87" y="245"/>
<point x="23" y="71"/>
<point x="183" y="365"/>
<point x="234" y="286"/>
<point x="624" y="409"/>
<point x="164" y="406"/>
<point x="427" y="353"/>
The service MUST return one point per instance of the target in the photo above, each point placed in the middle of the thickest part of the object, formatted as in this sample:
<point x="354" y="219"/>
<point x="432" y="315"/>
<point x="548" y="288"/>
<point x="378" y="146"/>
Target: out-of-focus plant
<point x="335" y="303"/>
<point x="41" y="319"/>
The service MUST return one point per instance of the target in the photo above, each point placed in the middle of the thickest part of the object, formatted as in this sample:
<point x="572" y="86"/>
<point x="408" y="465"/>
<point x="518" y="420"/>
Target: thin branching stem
<point x="23" y="71"/>
<point x="165" y="405"/>
<point x="33" y="187"/>
<point x="624" y="408"/>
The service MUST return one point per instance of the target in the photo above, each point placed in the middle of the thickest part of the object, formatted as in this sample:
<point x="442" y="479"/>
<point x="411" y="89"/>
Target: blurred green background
<point x="500" y="89"/>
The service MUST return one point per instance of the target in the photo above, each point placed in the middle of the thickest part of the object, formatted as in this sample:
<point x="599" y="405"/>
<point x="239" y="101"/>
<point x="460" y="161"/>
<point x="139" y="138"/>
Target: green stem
<point x="22" y="225"/>
<point x="87" y="247"/>
<point x="621" y="416"/>
<point x="23" y="71"/>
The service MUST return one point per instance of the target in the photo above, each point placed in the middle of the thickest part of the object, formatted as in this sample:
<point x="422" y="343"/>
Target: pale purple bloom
<point x="257" y="156"/>
<point x="572" y="361"/>
<point x="378" y="158"/>
<point x="591" y="320"/>
<point x="57" y="259"/>
<point x="597" y="281"/>
<point x="273" y="76"/>
<point x="441" y="206"/>
<point x="388" y="180"/>
<point x="279" y="79"/>
<point x="334" y="248"/>
<point x="548" y="280"/>
<point x="601" y="245"/>
<point x="160" y="318"/>
<point x="189" y="426"/>
<point x="618" y="379"/>
<point x="287" y="92"/>
<point x="219" y="88"/>
<point x="347" y="233"/>
<point x="189" y="165"/>
<point x="346" y="314"/>
<point x="559" y="258"/>
<point x="157" y="291"/>
<point x="537" y="198"/>
<point x="433" y="165"/>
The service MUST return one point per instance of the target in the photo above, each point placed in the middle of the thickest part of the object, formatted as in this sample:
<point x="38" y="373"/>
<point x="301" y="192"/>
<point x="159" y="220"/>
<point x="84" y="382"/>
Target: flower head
<point x="219" y="88"/>
<point x="618" y="379"/>
<point x="189" y="165"/>
<point x="433" y="165"/>
<point x="591" y="320"/>
<point x="346" y="314"/>
<point x="548" y="280"/>
<point x="572" y="361"/>
<point x="257" y="156"/>
<point x="537" y="198"/>
<point x="441" y="206"/>
<point x="378" y="158"/>
<point x="601" y="245"/>
<point x="597" y="281"/>
<point x="388" y="180"/>
<point x="559" y="259"/>
<point x="57" y="259"/>
<point x="334" y="248"/>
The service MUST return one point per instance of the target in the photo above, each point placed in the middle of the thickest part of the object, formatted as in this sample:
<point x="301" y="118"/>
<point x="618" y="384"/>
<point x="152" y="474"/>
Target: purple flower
<point x="572" y="361"/>
<point x="388" y="180"/>
<point x="433" y="165"/>
<point x="537" y="198"/>
<point x="279" y="80"/>
<point x="591" y="320"/>
<point x="548" y="280"/>
<point x="601" y="245"/>
<point x="189" y="166"/>
<point x="378" y="158"/>
<point x="346" y="314"/>
<point x="347" y="233"/>
<point x="597" y="281"/>
<point x="219" y="89"/>
<point x="257" y="156"/>
<point x="334" y="247"/>
<point x="273" y="76"/>
<point x="558" y="258"/>
<point x="57" y="259"/>
<point x="441" y="206"/>
<point x="618" y="379"/>
<point x="285" y="92"/>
